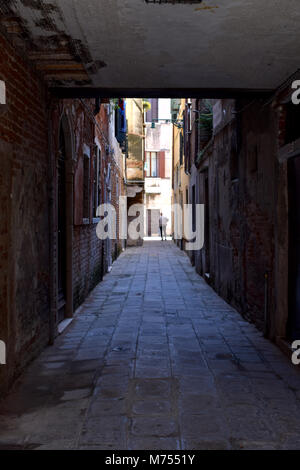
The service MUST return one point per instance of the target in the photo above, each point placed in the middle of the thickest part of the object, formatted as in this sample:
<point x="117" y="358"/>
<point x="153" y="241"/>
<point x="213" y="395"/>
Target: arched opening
<point x="64" y="222"/>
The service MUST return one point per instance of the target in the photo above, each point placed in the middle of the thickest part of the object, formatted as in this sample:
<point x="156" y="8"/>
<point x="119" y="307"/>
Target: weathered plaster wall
<point x="158" y="140"/>
<point x="135" y="159"/>
<point x="242" y="205"/>
<point x="112" y="175"/>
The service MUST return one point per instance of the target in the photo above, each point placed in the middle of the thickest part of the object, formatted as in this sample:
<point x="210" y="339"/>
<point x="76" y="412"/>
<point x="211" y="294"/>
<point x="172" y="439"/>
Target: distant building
<point x="158" y="166"/>
<point x="180" y="184"/>
<point x="135" y="162"/>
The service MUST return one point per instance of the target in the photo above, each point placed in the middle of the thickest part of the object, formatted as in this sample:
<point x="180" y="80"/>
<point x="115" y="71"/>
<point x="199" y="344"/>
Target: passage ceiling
<point x="135" y="44"/>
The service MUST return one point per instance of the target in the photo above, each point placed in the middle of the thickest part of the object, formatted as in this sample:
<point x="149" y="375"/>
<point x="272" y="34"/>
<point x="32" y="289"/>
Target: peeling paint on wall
<point x="62" y="59"/>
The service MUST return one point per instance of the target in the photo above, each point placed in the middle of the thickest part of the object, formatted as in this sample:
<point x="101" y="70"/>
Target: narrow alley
<point x="154" y="359"/>
<point x="149" y="225"/>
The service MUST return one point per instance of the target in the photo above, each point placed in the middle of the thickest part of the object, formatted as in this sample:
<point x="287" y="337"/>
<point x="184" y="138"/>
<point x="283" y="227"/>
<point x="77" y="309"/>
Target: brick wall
<point x="24" y="241"/>
<point x="87" y="262"/>
<point x="87" y="248"/>
<point x="242" y="202"/>
<point x="30" y="125"/>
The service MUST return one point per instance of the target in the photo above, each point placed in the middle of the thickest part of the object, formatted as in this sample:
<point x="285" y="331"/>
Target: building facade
<point x="134" y="169"/>
<point x="59" y="160"/>
<point x="180" y="193"/>
<point x="158" y="168"/>
<point x="241" y="160"/>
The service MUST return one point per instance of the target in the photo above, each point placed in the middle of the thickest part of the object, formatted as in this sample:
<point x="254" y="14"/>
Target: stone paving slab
<point x="154" y="359"/>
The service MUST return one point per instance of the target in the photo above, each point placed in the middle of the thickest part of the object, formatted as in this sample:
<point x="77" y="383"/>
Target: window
<point x="181" y="147"/>
<point x="86" y="186"/>
<point x="151" y="164"/>
<point x="152" y="114"/>
<point x="155" y="164"/>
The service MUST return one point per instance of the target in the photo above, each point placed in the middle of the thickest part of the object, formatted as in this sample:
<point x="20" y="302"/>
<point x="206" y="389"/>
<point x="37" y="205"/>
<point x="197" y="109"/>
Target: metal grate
<point x="174" y="1"/>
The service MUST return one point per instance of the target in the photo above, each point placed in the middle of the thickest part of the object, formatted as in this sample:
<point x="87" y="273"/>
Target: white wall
<point x="160" y="139"/>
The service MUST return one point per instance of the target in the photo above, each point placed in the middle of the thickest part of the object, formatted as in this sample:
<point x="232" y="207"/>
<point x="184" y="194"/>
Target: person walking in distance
<point x="163" y="226"/>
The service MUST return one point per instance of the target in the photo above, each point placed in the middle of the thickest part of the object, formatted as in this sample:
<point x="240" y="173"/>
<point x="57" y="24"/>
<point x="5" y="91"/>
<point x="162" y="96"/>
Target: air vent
<point x="174" y="1"/>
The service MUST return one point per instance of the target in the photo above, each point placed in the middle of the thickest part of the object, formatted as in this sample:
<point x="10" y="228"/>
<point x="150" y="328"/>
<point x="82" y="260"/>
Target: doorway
<point x="64" y="214"/>
<point x="293" y="332"/>
<point x="153" y="222"/>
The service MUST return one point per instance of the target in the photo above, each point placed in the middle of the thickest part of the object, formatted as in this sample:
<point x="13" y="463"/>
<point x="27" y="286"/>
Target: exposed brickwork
<point x="24" y="241"/>
<point x="87" y="259"/>
<point x="30" y="126"/>
<point x="242" y="197"/>
<point x="87" y="248"/>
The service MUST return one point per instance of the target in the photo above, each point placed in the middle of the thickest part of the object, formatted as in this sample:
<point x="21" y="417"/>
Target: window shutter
<point x="155" y="109"/>
<point x="161" y="159"/>
<point x="181" y="147"/>
<point x="152" y="114"/>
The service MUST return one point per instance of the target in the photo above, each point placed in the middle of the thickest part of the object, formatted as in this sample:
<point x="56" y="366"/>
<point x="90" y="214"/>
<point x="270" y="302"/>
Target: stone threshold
<point x="63" y="325"/>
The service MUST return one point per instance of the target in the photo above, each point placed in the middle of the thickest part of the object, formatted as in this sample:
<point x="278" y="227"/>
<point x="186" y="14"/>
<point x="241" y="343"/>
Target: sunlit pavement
<point x="155" y="360"/>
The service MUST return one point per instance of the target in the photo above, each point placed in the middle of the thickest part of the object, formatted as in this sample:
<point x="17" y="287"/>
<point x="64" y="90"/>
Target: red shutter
<point x="161" y="160"/>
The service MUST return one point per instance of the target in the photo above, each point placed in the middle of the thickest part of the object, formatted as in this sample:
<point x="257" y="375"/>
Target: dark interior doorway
<point x="149" y="222"/>
<point x="293" y="332"/>
<point x="153" y="222"/>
